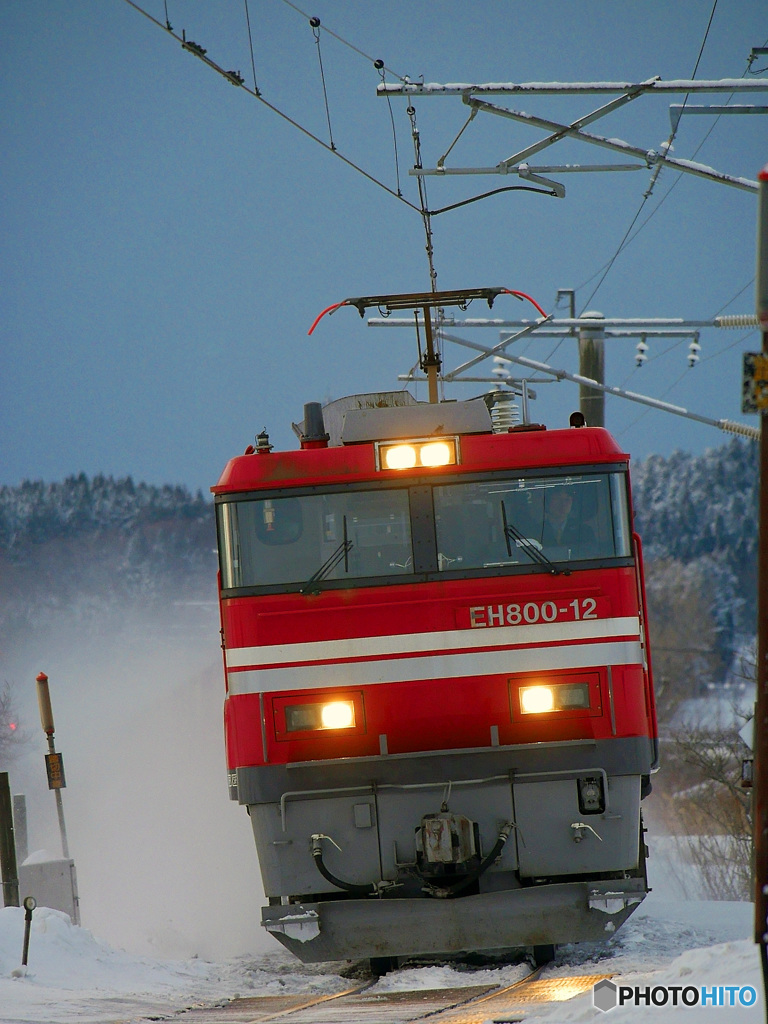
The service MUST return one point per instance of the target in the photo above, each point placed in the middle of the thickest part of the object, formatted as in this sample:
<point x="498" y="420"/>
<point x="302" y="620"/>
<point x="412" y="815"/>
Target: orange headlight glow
<point x="336" y="714"/>
<point x="539" y="699"/>
<point x="422" y="452"/>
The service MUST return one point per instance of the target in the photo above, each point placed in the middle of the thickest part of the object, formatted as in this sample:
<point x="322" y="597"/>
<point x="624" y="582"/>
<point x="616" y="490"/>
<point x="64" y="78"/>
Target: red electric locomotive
<point x="439" y="708"/>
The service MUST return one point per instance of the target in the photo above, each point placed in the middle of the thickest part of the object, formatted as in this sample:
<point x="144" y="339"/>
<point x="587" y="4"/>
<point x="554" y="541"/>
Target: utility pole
<point x="760" y="822"/>
<point x="592" y="365"/>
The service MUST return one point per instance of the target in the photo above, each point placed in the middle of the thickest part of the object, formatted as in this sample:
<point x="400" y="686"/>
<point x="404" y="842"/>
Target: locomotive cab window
<point x="531" y="520"/>
<point x="301" y="540"/>
<point x="353" y="537"/>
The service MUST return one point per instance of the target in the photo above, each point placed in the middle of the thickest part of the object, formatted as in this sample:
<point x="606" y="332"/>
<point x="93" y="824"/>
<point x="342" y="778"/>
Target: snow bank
<point x="68" y="969"/>
<point x="733" y="963"/>
<point x="75" y="977"/>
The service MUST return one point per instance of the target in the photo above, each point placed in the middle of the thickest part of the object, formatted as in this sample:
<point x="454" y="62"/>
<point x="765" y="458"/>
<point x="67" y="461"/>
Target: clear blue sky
<point x="167" y="239"/>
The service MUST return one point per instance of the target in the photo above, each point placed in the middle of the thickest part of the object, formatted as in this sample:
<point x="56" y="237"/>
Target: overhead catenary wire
<point x="628" y="238"/>
<point x="382" y="69"/>
<point x="720" y="352"/>
<point x="250" y="45"/>
<point x="235" y="79"/>
<point x="345" y="42"/>
<point x="423" y="208"/>
<point x="493" y="192"/>
<point x="425" y="214"/>
<point x="736" y="321"/>
<point x="666" y="195"/>
<point x="736" y="296"/>
<point x="706" y="359"/>
<point x="379" y="65"/>
<point x="656" y="172"/>
<point x="315" y="25"/>
<point x="672" y="347"/>
<point x="656" y="208"/>
<point x="663" y="395"/>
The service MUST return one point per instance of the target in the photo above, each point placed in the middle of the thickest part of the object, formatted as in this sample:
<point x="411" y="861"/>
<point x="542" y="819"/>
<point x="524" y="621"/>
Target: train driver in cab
<point x="563" y="527"/>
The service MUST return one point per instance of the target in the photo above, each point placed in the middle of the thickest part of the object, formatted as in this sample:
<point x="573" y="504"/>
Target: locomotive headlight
<point x="336" y="714"/>
<point x="421" y="452"/>
<point x="537" y="700"/>
<point x="438" y="453"/>
<point x="400" y="456"/>
<point x="534" y="700"/>
<point x="340" y="714"/>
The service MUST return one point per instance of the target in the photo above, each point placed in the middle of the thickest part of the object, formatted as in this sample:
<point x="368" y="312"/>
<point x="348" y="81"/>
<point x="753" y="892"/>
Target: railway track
<point x="363" y="1005"/>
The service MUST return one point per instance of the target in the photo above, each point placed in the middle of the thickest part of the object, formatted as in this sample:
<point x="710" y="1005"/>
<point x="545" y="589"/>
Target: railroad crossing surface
<point x="478" y="1004"/>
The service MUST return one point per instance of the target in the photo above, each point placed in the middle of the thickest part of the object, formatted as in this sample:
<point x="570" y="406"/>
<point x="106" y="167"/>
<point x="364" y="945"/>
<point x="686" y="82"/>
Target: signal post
<point x="54" y="763"/>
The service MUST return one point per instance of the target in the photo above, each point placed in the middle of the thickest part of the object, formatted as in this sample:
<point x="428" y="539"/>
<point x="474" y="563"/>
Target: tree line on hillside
<point x="94" y="547"/>
<point x="697" y="516"/>
<point x="688" y="505"/>
<point x="36" y="512"/>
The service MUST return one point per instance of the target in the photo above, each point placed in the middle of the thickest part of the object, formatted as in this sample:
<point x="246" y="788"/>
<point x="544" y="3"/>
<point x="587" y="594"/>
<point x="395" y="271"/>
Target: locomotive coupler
<point x="446" y="844"/>
<point x="460" y="882"/>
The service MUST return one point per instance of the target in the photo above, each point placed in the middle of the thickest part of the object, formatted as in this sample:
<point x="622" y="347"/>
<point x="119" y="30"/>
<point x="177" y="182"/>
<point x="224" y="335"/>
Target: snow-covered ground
<point x="74" y="977"/>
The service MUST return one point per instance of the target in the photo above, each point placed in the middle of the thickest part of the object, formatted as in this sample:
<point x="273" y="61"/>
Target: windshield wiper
<point x="339" y="553"/>
<point x="529" y="546"/>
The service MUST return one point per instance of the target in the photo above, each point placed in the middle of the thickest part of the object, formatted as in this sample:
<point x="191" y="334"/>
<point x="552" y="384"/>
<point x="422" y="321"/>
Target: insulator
<point x="505" y="412"/>
<point x="693" y="353"/>
<point x="641" y="352"/>
<point x="737" y="320"/>
<point x="730" y="427"/>
<point x="500" y="369"/>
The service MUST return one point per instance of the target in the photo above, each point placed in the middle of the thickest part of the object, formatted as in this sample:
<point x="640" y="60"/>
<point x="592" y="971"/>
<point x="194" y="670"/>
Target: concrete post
<point x="592" y="365"/>
<point x="7" y="846"/>
<point x="20" y="827"/>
